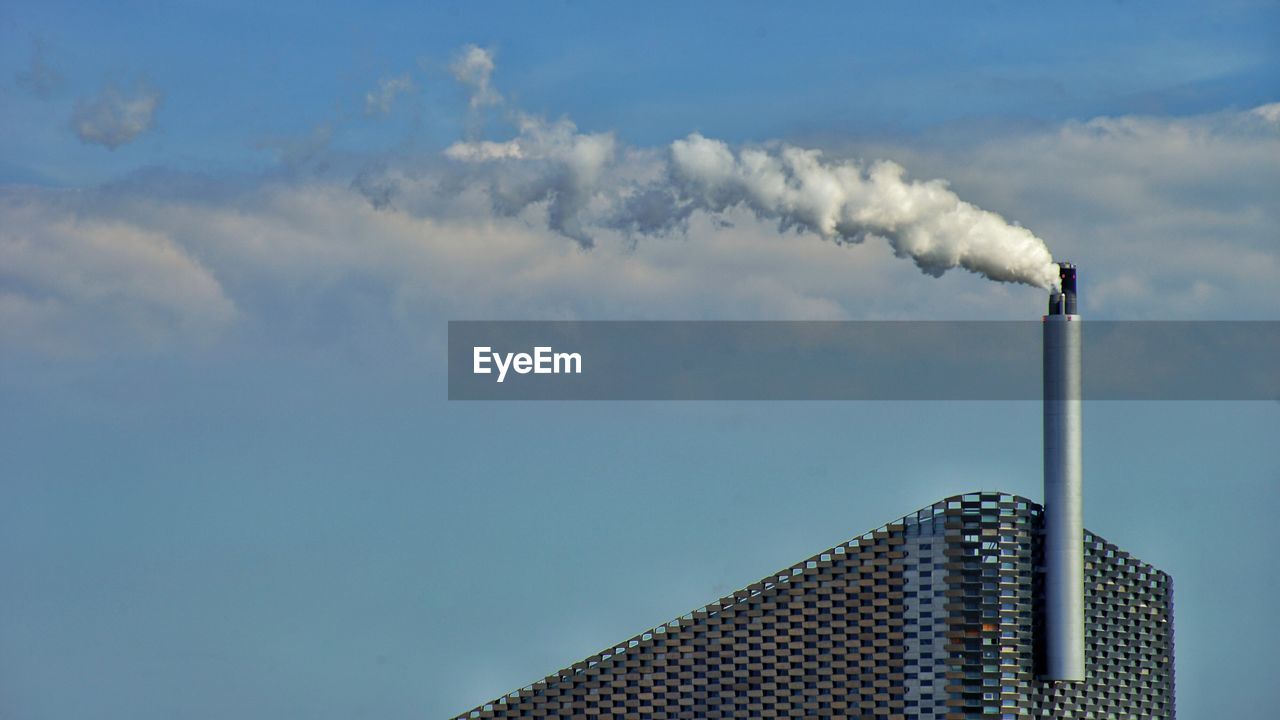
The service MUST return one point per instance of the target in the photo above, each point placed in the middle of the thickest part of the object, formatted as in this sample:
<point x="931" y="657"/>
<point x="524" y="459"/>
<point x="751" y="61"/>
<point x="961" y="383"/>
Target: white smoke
<point x="840" y="201"/>
<point x="844" y="202"/>
<point x="571" y="173"/>
<point x="548" y="162"/>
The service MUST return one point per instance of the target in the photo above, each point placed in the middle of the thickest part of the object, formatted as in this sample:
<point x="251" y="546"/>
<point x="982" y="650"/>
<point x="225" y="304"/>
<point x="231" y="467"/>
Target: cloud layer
<point x="74" y="283"/>
<point x="1169" y="217"/>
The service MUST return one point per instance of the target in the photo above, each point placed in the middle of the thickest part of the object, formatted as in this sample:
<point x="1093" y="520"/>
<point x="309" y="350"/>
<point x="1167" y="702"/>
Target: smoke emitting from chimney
<point x="579" y="175"/>
<point x="585" y="180"/>
<point x="842" y="201"/>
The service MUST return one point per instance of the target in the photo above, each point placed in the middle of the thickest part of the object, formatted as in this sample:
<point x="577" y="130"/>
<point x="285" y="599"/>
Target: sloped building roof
<point x="935" y="615"/>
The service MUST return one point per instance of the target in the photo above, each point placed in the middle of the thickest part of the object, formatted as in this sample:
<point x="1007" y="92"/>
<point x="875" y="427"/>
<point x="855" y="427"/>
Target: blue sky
<point x="231" y="237"/>
<point x="234" y="78"/>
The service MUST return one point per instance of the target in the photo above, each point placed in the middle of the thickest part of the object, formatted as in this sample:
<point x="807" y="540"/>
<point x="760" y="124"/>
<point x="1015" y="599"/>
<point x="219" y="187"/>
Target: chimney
<point x="1063" y="503"/>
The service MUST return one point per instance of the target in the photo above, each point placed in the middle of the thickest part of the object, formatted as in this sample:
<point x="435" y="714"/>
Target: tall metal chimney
<point x="1063" y="503"/>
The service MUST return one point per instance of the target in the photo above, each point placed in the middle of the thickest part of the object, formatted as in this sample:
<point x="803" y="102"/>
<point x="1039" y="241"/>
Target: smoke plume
<point x="843" y="202"/>
<point x="549" y="162"/>
<point x="587" y="183"/>
<point x="840" y="201"/>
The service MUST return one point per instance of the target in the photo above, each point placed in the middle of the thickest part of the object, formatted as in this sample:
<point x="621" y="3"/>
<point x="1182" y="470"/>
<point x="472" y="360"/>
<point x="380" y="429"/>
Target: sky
<point x="231" y="237"/>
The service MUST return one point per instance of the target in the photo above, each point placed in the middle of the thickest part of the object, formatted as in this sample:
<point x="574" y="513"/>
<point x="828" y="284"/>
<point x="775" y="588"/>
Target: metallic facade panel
<point x="937" y="615"/>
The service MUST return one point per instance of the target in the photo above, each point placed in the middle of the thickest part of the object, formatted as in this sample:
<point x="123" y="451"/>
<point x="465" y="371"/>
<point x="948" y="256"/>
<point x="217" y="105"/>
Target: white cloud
<point x="76" y="283"/>
<point x="1269" y="112"/>
<point x="485" y="151"/>
<point x="474" y="67"/>
<point x="1170" y="218"/>
<point x="381" y="100"/>
<point x="115" y="117"/>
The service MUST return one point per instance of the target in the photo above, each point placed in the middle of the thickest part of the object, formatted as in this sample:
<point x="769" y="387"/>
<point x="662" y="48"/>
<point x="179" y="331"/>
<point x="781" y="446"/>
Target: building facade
<point x="935" y="616"/>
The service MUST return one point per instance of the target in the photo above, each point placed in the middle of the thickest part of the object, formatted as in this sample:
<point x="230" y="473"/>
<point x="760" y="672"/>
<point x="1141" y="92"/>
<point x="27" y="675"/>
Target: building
<point x="984" y="605"/>
<point x="939" y="614"/>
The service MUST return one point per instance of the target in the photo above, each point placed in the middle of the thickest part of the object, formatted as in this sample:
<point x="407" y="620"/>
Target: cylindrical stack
<point x="1063" y="495"/>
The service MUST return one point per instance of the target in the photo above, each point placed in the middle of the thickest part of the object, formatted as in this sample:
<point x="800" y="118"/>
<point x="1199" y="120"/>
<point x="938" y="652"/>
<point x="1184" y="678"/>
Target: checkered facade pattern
<point x="932" y="617"/>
